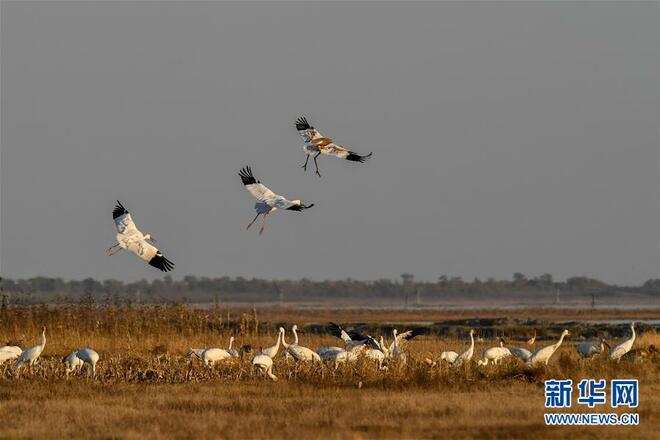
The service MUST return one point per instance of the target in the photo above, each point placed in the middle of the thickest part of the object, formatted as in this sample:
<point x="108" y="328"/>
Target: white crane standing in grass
<point x="448" y="356"/>
<point x="31" y="355"/>
<point x="272" y="350"/>
<point x="544" y="354"/>
<point x="268" y="201"/>
<point x="623" y="348"/>
<point x="264" y="363"/>
<point x="297" y="352"/>
<point x="466" y="356"/>
<point x="81" y="357"/>
<point x="316" y="144"/>
<point x="212" y="355"/>
<point x="263" y="359"/>
<point x="591" y="348"/>
<point x="495" y="354"/>
<point x="129" y="237"/>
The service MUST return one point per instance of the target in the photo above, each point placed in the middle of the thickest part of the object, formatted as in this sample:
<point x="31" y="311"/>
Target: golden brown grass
<point x="148" y="388"/>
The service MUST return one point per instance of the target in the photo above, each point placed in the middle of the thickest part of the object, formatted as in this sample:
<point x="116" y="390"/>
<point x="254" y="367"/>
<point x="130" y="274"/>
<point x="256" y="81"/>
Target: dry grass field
<point x="147" y="388"/>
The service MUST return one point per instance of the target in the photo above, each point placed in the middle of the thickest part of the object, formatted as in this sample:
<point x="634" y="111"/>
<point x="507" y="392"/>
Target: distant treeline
<point x="192" y="289"/>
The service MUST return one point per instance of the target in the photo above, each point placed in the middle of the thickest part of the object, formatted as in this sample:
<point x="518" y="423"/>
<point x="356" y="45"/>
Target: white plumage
<point x="272" y="351"/>
<point x="467" y="354"/>
<point x="267" y="200"/>
<point x="448" y="356"/>
<point x="297" y="352"/>
<point x="131" y="238"/>
<point x="315" y="144"/>
<point x="9" y="352"/>
<point x="494" y="354"/>
<point x="81" y="357"/>
<point x="623" y="348"/>
<point x="265" y="364"/>
<point x="212" y="355"/>
<point x="544" y="354"/>
<point x="31" y="354"/>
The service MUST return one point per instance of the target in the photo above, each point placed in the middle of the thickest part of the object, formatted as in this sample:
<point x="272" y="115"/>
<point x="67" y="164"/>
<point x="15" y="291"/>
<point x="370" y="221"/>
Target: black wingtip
<point x="418" y="332"/>
<point x="334" y="329"/>
<point x="357" y="158"/>
<point x="302" y="124"/>
<point x="119" y="210"/>
<point x="246" y="176"/>
<point x="355" y="336"/>
<point x="161" y="263"/>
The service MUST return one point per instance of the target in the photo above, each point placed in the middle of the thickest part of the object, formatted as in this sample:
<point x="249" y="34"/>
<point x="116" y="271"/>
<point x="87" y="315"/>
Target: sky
<point x="507" y="137"/>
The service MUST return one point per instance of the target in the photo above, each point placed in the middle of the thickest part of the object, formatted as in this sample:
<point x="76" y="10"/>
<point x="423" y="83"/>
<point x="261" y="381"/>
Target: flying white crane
<point x="591" y="348"/>
<point x="495" y="354"/>
<point x="623" y="348"/>
<point x="467" y="354"/>
<point x="31" y="355"/>
<point x="521" y="353"/>
<point x="316" y="144"/>
<point x="81" y="357"/>
<point x="264" y="363"/>
<point x="268" y="201"/>
<point x="297" y="352"/>
<point x="129" y="237"/>
<point x="544" y="354"/>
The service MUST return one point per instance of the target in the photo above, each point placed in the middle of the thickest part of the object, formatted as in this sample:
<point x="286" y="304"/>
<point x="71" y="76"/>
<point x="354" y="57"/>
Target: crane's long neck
<point x="284" y="344"/>
<point x="561" y="339"/>
<point x="471" y="341"/>
<point x="231" y="341"/>
<point x="632" y="327"/>
<point x="295" y="336"/>
<point x="43" y="339"/>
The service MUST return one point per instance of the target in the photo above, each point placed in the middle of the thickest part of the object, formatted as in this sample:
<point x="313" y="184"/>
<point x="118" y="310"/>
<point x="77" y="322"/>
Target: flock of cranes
<point x="129" y="237"/>
<point x="356" y="345"/>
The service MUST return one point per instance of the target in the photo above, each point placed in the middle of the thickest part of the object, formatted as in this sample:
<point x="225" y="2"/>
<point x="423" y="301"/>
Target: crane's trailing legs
<point x="111" y="248"/>
<point x="263" y="225"/>
<point x="253" y="220"/>
<point x="316" y="163"/>
<point x="110" y="252"/>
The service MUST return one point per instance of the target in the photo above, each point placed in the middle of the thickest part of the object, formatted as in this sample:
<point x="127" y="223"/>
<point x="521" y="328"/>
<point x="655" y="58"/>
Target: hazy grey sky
<point x="507" y="136"/>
